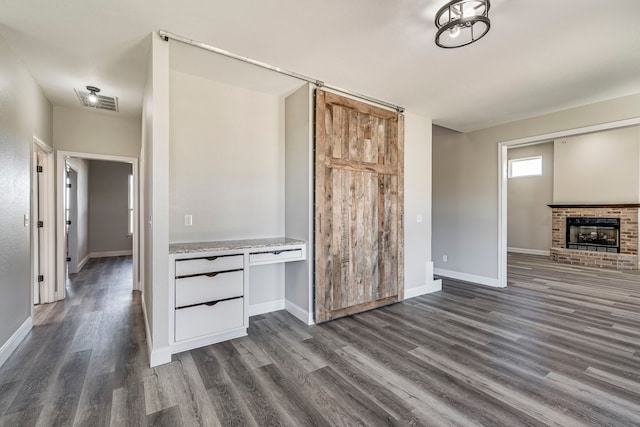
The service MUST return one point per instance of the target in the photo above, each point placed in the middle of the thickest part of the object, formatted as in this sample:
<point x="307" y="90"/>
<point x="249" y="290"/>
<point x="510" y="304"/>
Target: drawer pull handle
<point x="211" y="258"/>
<point x="210" y="304"/>
<point x="277" y="252"/>
<point x="212" y="274"/>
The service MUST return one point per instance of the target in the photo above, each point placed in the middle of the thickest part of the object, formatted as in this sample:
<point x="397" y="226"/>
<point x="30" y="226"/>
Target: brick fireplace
<point x="591" y="249"/>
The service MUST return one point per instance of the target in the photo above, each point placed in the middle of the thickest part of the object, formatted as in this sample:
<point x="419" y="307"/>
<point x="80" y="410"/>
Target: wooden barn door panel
<point x="359" y="199"/>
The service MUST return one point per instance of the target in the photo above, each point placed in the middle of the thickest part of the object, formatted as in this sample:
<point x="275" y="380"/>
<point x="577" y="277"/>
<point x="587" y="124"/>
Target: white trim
<point x="529" y="251"/>
<point x="82" y="263"/>
<point x="106" y="254"/>
<point x="48" y="246"/>
<point x="147" y="330"/>
<point x="163" y="355"/>
<point x="265" y="307"/>
<point x="60" y="185"/>
<point x="14" y="341"/>
<point x="431" y="284"/>
<point x="502" y="178"/>
<point x="481" y="280"/>
<point x="434" y="286"/>
<point x="160" y="356"/>
<point x="298" y="312"/>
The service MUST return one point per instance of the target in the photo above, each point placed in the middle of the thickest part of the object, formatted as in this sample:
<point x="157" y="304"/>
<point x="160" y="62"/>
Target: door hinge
<point x="40" y="224"/>
<point x="68" y="222"/>
<point x="39" y="169"/>
<point x="40" y="278"/>
<point x="68" y="259"/>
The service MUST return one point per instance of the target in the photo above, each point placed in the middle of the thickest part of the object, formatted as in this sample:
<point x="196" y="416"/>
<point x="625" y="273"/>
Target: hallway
<point x="84" y="358"/>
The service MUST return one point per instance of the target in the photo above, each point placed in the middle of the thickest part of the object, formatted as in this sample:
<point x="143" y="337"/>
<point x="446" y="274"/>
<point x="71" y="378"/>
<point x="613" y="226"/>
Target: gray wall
<point x="108" y="206"/>
<point x="465" y="182"/>
<point x="24" y="112"/>
<point x="95" y="132"/>
<point x="601" y="167"/>
<point x="529" y="217"/>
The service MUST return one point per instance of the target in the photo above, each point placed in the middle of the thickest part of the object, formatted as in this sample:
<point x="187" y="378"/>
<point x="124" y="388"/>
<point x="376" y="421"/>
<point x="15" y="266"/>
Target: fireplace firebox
<point x="593" y="234"/>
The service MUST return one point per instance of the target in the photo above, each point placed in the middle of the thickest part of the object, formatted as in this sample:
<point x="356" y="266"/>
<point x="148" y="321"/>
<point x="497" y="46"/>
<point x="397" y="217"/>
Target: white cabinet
<point x="209" y="296"/>
<point x="210" y="264"/>
<point x="209" y="292"/>
<point x="209" y="287"/>
<point x="209" y="318"/>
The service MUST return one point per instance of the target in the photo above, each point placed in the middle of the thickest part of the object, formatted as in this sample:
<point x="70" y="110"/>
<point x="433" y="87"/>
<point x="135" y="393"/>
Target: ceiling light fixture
<point x="92" y="98"/>
<point x="462" y="22"/>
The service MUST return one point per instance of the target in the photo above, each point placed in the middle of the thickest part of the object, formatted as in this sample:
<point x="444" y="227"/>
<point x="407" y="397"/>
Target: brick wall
<point x="627" y="259"/>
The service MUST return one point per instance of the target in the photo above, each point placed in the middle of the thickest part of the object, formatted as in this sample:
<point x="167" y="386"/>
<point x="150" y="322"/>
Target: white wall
<point x="24" y="113"/>
<point x="601" y="167"/>
<point x="418" y="268"/>
<point x="109" y="206"/>
<point x="154" y="153"/>
<point x="528" y="213"/>
<point x="227" y="169"/>
<point x="86" y="131"/>
<point x="82" y="168"/>
<point x="465" y="183"/>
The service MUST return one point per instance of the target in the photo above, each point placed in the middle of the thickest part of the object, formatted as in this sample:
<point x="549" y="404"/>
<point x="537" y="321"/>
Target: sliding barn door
<point x="359" y="206"/>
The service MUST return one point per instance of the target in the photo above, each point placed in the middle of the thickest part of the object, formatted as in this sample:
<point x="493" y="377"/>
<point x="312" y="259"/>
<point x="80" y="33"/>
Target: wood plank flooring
<point x="559" y="346"/>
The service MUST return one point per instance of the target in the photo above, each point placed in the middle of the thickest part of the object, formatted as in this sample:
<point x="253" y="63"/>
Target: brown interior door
<point x="359" y="206"/>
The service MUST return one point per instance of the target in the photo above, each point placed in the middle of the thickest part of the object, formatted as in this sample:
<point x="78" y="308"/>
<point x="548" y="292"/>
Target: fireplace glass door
<point x="594" y="234"/>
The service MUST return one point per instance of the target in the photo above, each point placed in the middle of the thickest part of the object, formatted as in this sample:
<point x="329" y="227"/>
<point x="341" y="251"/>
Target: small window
<point x="130" y="222"/>
<point x="529" y="166"/>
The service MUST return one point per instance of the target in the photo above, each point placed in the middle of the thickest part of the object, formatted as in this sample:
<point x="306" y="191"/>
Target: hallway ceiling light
<point x="92" y="99"/>
<point x="462" y="22"/>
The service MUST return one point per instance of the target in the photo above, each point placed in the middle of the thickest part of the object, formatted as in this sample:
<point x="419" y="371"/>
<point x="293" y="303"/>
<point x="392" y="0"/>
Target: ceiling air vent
<point x="102" y="102"/>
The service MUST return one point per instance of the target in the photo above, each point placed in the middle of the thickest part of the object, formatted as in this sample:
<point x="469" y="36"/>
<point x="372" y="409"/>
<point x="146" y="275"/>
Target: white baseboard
<point x="266" y="307"/>
<point x="83" y="262"/>
<point x="529" y="251"/>
<point x="300" y="313"/>
<point x="160" y="356"/>
<point x="416" y="291"/>
<point x="14" y="341"/>
<point x="481" y="280"/>
<point x="107" y="254"/>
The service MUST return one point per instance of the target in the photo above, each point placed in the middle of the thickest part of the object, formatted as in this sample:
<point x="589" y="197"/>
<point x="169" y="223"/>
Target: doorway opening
<point x="503" y="174"/>
<point x="98" y="212"/>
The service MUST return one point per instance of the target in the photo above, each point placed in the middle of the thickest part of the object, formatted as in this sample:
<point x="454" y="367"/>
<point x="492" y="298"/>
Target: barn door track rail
<point x="166" y="36"/>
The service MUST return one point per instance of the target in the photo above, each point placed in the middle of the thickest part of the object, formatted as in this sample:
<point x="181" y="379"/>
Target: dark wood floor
<point x="559" y="346"/>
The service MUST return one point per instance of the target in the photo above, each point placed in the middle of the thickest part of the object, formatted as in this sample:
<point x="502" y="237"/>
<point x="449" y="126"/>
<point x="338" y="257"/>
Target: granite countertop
<point x="226" y="245"/>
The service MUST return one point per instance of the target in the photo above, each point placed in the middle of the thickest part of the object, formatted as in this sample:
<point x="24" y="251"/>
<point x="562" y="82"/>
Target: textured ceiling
<point x="540" y="56"/>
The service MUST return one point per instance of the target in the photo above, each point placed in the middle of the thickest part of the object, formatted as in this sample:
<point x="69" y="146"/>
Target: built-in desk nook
<point x="209" y="286"/>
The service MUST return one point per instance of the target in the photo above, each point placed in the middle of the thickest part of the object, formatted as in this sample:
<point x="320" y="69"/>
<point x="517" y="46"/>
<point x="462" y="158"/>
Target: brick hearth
<point x="627" y="259"/>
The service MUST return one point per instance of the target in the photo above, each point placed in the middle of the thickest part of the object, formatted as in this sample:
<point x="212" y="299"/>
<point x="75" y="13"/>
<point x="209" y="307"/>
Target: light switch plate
<point x="188" y="220"/>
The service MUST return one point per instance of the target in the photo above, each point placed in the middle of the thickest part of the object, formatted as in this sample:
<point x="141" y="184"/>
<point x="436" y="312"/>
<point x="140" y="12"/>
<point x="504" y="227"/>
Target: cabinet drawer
<point x="209" y="287"/>
<point x="185" y="267"/>
<point x="202" y="320"/>
<point x="276" y="256"/>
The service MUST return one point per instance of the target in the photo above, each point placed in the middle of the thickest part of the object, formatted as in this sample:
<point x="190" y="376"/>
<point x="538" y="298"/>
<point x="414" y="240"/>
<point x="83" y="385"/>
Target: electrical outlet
<point x="419" y="218"/>
<point x="26" y="220"/>
<point x="188" y="220"/>
<point x="444" y="258"/>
